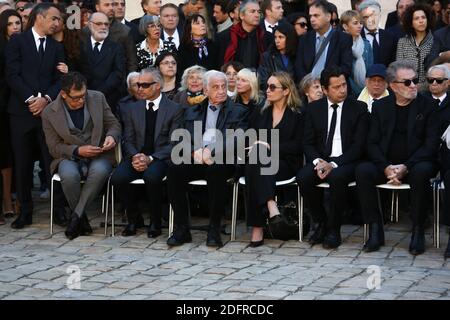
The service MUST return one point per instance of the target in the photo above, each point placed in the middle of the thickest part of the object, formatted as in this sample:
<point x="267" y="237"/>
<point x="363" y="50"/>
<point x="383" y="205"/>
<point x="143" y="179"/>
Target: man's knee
<point x="100" y="169"/>
<point x="422" y="172"/>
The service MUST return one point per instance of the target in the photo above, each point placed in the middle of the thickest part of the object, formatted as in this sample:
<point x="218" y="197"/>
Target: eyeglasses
<point x="99" y="24"/>
<point x="303" y="25"/>
<point x="273" y="87"/>
<point x="167" y="63"/>
<point x="145" y="85"/>
<point x="438" y="81"/>
<point x="408" y="82"/>
<point x="154" y="26"/>
<point x="78" y="98"/>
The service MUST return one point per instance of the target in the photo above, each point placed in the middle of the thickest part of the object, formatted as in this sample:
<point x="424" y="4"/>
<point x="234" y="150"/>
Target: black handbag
<point x="285" y="226"/>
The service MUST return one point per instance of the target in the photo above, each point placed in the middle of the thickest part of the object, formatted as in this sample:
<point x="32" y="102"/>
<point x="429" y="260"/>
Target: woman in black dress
<point x="281" y="116"/>
<point x="10" y="23"/>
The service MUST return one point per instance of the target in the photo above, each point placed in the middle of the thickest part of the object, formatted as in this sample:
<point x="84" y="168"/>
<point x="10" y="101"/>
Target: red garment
<point x="236" y="33"/>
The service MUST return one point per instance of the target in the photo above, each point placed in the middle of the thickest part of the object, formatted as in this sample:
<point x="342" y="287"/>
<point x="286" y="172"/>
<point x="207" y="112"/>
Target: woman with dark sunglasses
<point x="282" y="120"/>
<point x="418" y="22"/>
<point x="300" y="22"/>
<point x="281" y="54"/>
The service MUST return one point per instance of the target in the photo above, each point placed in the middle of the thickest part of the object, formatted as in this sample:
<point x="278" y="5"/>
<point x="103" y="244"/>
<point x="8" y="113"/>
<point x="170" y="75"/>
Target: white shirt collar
<point x="156" y="103"/>
<point x="441" y="98"/>
<point x="176" y="37"/>
<point x="36" y="38"/>
<point x="367" y="32"/>
<point x="339" y="104"/>
<point x="123" y="21"/>
<point x="144" y="45"/>
<point x="268" y="25"/>
<point x="93" y="41"/>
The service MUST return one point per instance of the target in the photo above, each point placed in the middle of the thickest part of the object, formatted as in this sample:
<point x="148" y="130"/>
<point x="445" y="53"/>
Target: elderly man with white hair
<point x="204" y="158"/>
<point x="384" y="45"/>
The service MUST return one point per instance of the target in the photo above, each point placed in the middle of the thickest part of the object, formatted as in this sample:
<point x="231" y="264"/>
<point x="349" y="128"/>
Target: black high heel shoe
<point x="255" y="244"/>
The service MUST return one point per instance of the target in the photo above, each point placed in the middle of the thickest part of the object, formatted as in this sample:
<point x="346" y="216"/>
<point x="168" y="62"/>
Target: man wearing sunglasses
<point x="438" y="84"/>
<point x="216" y="113"/>
<point x="148" y="126"/>
<point x="81" y="133"/>
<point x="402" y="147"/>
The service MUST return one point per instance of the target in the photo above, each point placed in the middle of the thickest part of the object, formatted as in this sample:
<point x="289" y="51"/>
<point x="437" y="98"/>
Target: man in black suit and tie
<point x="171" y="30"/>
<point x="334" y="139"/>
<point x="438" y="79"/>
<point x="204" y="157"/>
<point x="323" y="46"/>
<point x="119" y="15"/>
<point x="402" y="147"/>
<point x="148" y="125"/>
<point x="102" y="61"/>
<point x="273" y="14"/>
<point x="31" y="72"/>
<point x="384" y="45"/>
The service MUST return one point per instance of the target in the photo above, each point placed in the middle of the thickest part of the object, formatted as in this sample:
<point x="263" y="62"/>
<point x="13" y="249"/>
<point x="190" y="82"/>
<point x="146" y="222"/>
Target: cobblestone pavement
<point x="34" y="265"/>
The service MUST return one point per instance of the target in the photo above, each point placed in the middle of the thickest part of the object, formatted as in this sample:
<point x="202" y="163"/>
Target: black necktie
<point x="96" y="49"/>
<point x="170" y="39"/>
<point x="438" y="102"/>
<point x="213" y="108"/>
<point x="329" y="144"/>
<point x="375" y="47"/>
<point x="150" y="106"/>
<point x="272" y="27"/>
<point x="41" y="48"/>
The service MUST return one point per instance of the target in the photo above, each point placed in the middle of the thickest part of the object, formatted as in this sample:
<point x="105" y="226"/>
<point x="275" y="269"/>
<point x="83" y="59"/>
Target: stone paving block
<point x="351" y="291"/>
<point x="124" y="285"/>
<point x="275" y="294"/>
<point x="111" y="292"/>
<point x="416" y="295"/>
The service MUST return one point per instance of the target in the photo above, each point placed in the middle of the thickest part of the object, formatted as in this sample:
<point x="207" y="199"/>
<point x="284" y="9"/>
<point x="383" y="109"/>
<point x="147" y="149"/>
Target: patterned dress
<point x="146" y="58"/>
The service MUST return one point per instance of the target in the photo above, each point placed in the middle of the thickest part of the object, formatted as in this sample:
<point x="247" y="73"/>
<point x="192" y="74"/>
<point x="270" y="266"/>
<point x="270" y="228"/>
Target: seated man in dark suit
<point x="81" y="133"/>
<point x="445" y="167"/>
<point x="441" y="45"/>
<point x="148" y="125"/>
<point x="402" y="147"/>
<point x="323" y="46"/>
<point x="334" y="139"/>
<point x="203" y="123"/>
<point x="102" y="61"/>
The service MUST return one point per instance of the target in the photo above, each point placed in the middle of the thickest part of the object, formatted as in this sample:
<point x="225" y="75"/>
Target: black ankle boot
<point x="417" y="245"/>
<point x="74" y="226"/>
<point x="85" y="227"/>
<point x="447" y="251"/>
<point x="376" y="237"/>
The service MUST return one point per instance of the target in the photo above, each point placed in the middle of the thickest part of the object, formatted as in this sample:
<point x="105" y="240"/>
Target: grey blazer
<point x="167" y="120"/>
<point x="61" y="143"/>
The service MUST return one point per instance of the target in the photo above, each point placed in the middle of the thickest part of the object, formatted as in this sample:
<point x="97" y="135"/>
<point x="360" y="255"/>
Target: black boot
<point x="85" y="228"/>
<point x="74" y="226"/>
<point x="23" y="220"/>
<point x="417" y="245"/>
<point x="319" y="234"/>
<point x="376" y="237"/>
<point x="447" y="251"/>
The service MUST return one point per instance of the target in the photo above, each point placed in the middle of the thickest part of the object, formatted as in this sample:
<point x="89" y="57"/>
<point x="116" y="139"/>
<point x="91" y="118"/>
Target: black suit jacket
<point x="167" y="120"/>
<point x="231" y="116"/>
<point x="339" y="53"/>
<point x="106" y="72"/>
<point x="290" y="130"/>
<point x="423" y="132"/>
<point x="441" y="44"/>
<point x="354" y="128"/>
<point x="271" y="62"/>
<point x="388" y="47"/>
<point x="392" y="19"/>
<point x="134" y="31"/>
<point x="26" y="75"/>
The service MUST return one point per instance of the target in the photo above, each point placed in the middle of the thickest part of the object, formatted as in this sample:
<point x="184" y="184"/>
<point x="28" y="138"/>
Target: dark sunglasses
<point x="334" y="22"/>
<point x="273" y="87"/>
<point x="408" y="82"/>
<point x="303" y="25"/>
<point x="438" y="81"/>
<point x="21" y="9"/>
<point x="145" y="85"/>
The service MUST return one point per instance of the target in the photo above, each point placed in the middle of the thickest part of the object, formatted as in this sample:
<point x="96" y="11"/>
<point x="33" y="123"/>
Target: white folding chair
<point x="57" y="178"/>
<point x="289" y="182"/>
<point x="439" y="186"/>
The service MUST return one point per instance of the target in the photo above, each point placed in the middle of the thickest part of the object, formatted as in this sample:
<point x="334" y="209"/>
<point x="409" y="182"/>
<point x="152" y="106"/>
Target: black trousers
<point x="368" y="176"/>
<point x="446" y="178"/>
<point x="338" y="179"/>
<point x="260" y="189"/>
<point x="25" y="134"/>
<point x="153" y="178"/>
<point x="216" y="176"/>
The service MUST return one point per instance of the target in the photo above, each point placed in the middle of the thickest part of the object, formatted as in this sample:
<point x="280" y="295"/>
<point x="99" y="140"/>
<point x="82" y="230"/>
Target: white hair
<point x="369" y="4"/>
<point x="444" y="68"/>
<point x="213" y="74"/>
<point x="130" y="76"/>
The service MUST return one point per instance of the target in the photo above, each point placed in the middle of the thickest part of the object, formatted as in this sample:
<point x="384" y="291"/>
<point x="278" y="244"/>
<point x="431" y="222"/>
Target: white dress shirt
<point x="156" y="103"/>
<point x="268" y="26"/>
<point x="176" y="37"/>
<point x="93" y="41"/>
<point x="370" y="37"/>
<point x="37" y="41"/>
<point x="441" y="98"/>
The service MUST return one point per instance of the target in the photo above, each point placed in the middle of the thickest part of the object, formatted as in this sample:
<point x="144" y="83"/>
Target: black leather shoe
<point x="213" y="239"/>
<point x="22" y="221"/>
<point x="85" y="227"/>
<point x="180" y="236"/>
<point x="74" y="226"/>
<point x="153" y="231"/>
<point x="59" y="217"/>
<point x="318" y="235"/>
<point x="255" y="244"/>
<point x="417" y="244"/>
<point x="376" y="237"/>
<point x="332" y="240"/>
<point x="130" y="230"/>
<point x="447" y="251"/>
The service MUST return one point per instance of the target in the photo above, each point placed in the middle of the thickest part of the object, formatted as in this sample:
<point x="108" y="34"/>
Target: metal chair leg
<point x="396" y="207"/>
<point x="171" y="218"/>
<point x="438" y="211"/>
<point x="365" y="233"/>
<point x="107" y="208"/>
<point x="112" y="212"/>
<point x="300" y="214"/>
<point x="392" y="206"/>
<point x="234" y="211"/>
<point x="51" y="207"/>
